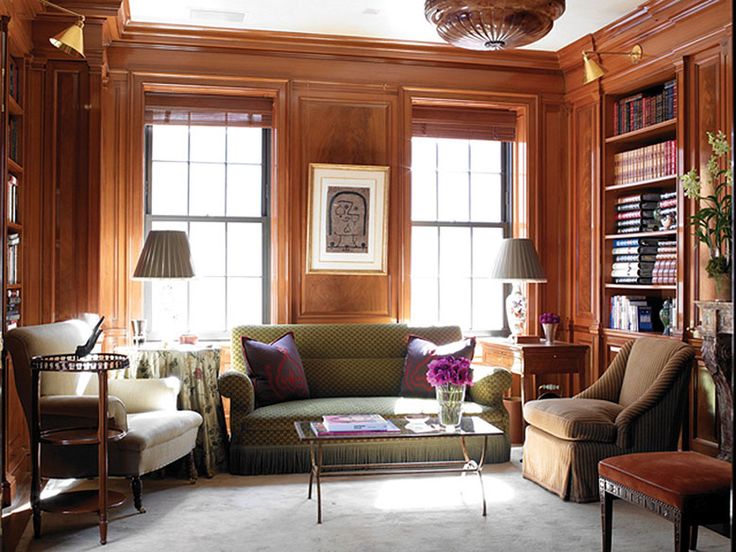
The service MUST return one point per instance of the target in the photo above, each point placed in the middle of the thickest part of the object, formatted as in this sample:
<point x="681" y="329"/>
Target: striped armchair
<point x="636" y="406"/>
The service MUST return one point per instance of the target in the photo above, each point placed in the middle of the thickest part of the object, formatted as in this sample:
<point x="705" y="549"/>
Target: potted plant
<point x="712" y="220"/>
<point x="450" y="376"/>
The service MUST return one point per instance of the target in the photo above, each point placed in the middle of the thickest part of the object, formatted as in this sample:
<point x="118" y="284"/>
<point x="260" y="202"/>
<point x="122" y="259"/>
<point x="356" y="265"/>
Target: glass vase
<point x="450" y="399"/>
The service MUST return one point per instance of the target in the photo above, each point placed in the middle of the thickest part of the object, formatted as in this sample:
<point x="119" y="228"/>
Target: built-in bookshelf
<point x="641" y="209"/>
<point x="13" y="175"/>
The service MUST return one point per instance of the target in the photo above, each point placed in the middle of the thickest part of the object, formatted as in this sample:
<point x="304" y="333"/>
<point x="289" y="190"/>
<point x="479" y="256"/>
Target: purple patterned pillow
<point x="276" y="370"/>
<point x="419" y="353"/>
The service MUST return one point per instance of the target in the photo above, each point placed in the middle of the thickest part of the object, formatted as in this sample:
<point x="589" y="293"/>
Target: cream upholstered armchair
<point x="157" y="433"/>
<point x="636" y="406"/>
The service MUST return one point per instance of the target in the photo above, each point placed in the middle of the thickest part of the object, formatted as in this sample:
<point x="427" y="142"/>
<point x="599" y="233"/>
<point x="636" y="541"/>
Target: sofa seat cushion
<point x="148" y="429"/>
<point x="574" y="419"/>
<point x="273" y="425"/>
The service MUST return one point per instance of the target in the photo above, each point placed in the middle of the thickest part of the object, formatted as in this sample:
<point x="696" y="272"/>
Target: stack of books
<point x="635" y="213"/>
<point x="665" y="263"/>
<point x="633" y="260"/>
<point x="632" y="313"/>
<point x="12" y="207"/>
<point x="645" y="109"/>
<point x="12" y="312"/>
<point x="353" y="424"/>
<point x="13" y="246"/>
<point x="647" y="163"/>
<point x="666" y="213"/>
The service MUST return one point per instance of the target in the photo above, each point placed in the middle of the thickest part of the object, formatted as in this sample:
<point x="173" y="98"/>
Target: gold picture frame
<point x="347" y="219"/>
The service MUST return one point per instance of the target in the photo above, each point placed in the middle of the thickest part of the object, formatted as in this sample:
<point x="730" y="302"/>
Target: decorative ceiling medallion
<point x="492" y="24"/>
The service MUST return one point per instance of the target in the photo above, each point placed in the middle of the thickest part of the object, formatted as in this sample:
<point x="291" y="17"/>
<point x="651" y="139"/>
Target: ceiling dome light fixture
<point x="492" y="24"/>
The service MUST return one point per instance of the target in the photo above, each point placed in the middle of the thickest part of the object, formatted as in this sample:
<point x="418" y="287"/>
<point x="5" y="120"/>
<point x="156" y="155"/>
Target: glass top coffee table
<point x="470" y="427"/>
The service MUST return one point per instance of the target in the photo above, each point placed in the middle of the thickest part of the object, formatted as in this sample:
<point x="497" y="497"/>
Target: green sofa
<point x="350" y="369"/>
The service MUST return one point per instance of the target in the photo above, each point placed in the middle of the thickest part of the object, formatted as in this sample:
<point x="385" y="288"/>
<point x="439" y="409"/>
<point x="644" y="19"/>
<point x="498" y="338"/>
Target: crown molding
<point x="334" y="46"/>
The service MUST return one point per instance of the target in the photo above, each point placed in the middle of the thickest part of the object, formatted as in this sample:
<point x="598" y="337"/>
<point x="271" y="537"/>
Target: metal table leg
<point x="319" y="486"/>
<point x="312" y="465"/>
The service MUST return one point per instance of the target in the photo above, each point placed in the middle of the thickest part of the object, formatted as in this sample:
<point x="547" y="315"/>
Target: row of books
<point x="638" y="260"/>
<point x="13" y="256"/>
<point x="353" y="424"/>
<point x="14" y="80"/>
<point x="632" y="313"/>
<point x="12" y="198"/>
<point x="645" y="109"/>
<point x="666" y="212"/>
<point x="646" y="212"/>
<point x="14" y="137"/>
<point x="647" y="163"/>
<point x="664" y="271"/>
<point x="12" y="308"/>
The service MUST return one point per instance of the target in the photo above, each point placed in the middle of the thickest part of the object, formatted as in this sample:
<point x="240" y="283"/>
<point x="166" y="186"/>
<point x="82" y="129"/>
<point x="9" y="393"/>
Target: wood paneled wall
<point x="332" y="110"/>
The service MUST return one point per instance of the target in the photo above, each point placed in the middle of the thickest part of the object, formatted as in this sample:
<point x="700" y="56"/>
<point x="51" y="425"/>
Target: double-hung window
<point x="460" y="212"/>
<point x="211" y="181"/>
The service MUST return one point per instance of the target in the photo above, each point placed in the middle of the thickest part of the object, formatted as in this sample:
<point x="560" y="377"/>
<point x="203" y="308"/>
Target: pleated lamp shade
<point x="165" y="254"/>
<point x="517" y="261"/>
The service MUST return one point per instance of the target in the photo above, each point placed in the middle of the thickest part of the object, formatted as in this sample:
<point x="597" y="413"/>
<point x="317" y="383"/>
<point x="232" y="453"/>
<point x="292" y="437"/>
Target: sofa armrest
<point x="63" y="411"/>
<point x="237" y="387"/>
<point x="489" y="384"/>
<point x="145" y="395"/>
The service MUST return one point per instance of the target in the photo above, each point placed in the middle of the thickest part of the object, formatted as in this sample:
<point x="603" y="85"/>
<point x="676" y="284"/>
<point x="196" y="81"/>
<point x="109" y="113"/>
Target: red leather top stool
<point x="688" y="488"/>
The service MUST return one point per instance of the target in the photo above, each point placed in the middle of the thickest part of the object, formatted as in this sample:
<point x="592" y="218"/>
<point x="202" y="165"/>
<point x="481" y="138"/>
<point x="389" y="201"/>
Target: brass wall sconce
<point x="71" y="39"/>
<point x="592" y="69"/>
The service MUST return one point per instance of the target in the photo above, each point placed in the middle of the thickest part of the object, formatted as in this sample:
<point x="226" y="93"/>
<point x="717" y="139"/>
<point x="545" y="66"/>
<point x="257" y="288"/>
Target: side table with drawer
<point x="530" y="360"/>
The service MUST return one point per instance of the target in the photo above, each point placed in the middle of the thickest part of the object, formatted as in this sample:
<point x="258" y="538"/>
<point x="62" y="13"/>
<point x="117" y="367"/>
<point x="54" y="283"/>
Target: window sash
<point x="505" y="224"/>
<point x="263" y="220"/>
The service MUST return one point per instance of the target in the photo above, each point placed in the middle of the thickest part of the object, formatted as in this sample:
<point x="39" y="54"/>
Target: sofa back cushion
<point x="346" y="360"/>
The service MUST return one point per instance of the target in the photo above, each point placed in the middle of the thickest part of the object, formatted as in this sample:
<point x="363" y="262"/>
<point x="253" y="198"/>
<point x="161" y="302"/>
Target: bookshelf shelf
<point x="627" y="334"/>
<point x="655" y="234"/>
<point x="14" y="107"/>
<point x="15" y="167"/>
<point x="659" y="130"/>
<point x="14" y="286"/>
<point x="14" y="228"/>
<point x="640" y="286"/>
<point x="643" y="184"/>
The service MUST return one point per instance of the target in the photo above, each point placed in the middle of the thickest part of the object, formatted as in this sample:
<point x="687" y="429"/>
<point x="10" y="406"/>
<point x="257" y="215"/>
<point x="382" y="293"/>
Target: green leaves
<point x="712" y="221"/>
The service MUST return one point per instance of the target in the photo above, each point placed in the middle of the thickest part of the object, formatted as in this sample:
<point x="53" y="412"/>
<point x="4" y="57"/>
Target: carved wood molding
<point x="658" y="507"/>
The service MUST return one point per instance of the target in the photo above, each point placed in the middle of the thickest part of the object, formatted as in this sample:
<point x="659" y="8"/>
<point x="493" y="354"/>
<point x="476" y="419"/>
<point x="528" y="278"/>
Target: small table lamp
<point x="165" y="256"/>
<point x="517" y="262"/>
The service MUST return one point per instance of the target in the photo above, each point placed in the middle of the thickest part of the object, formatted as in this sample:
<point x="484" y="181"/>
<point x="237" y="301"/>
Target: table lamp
<point x="165" y="256"/>
<point x="517" y="262"/>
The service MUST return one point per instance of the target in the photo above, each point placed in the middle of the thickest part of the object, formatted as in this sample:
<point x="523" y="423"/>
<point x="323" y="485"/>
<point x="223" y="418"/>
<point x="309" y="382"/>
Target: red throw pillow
<point x="419" y="353"/>
<point x="276" y="370"/>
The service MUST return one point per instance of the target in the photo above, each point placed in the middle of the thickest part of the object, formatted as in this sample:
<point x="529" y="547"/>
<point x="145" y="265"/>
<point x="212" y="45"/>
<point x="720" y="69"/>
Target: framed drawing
<point x="347" y="227"/>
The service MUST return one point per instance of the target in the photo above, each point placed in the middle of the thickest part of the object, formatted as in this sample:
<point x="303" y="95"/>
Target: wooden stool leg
<point x="606" y="520"/>
<point x="682" y="535"/>
<point x="694" y="537"/>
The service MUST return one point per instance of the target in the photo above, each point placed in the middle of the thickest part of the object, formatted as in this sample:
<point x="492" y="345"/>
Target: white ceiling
<point x="401" y="20"/>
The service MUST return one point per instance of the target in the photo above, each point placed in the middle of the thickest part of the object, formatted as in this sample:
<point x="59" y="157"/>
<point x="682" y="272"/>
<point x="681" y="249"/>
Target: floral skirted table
<point x="197" y="367"/>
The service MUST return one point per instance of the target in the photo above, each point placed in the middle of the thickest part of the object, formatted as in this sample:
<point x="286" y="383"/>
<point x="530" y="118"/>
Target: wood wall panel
<point x="67" y="149"/>
<point x="584" y="207"/>
<point x="342" y="131"/>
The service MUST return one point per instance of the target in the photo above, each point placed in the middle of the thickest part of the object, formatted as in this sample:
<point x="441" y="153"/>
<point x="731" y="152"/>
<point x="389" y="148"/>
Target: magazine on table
<point x="355" y="422"/>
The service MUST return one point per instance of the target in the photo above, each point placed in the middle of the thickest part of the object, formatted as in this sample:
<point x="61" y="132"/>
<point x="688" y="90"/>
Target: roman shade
<point x="164" y="108"/>
<point x="467" y="123"/>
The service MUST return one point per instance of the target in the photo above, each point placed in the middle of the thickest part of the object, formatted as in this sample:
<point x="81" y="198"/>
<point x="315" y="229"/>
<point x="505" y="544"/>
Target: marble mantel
<point x="715" y="329"/>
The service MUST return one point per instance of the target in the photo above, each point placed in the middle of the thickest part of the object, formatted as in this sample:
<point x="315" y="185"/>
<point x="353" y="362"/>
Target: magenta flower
<point x="449" y="370"/>
<point x="549" y="318"/>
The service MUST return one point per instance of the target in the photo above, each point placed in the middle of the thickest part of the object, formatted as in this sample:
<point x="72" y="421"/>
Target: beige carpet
<point x="427" y="514"/>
